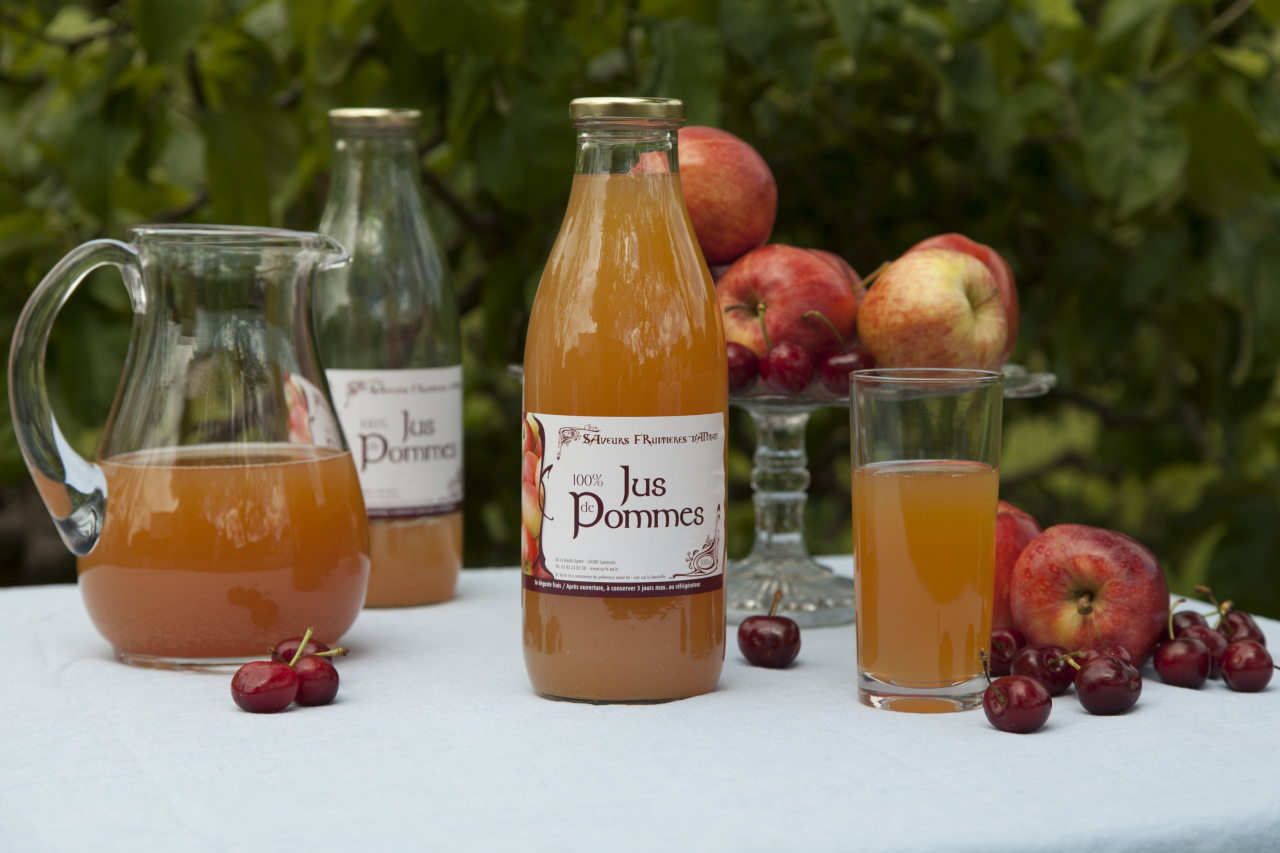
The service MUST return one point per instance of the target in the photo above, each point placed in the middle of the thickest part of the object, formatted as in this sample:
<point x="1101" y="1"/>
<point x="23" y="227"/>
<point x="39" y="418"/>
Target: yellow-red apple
<point x="730" y="193"/>
<point x="999" y="269"/>
<point x="934" y="308"/>
<point x="786" y="283"/>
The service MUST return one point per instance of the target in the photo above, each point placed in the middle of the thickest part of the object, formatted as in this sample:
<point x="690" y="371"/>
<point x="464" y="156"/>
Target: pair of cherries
<point x="1193" y="652"/>
<point x="300" y="670"/>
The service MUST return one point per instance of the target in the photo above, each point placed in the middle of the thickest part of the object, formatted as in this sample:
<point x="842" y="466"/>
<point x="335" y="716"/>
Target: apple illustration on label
<point x="729" y="191"/>
<point x="1076" y="585"/>
<point x="934" y="308"/>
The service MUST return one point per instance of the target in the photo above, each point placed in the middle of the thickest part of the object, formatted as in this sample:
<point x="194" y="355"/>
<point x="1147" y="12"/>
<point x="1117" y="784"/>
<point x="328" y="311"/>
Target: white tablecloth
<point x="436" y="742"/>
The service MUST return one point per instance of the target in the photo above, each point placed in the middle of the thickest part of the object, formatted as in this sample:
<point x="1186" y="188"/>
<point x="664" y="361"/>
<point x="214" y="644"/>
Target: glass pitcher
<point x="223" y="512"/>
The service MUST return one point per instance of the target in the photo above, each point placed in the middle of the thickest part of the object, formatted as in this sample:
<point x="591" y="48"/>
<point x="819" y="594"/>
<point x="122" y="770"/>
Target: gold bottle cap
<point x="375" y="118"/>
<point x="671" y="109"/>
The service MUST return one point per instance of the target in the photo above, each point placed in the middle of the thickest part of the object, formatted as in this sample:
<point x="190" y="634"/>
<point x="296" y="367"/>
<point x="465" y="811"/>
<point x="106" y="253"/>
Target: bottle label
<point x="404" y="428"/>
<point x="623" y="507"/>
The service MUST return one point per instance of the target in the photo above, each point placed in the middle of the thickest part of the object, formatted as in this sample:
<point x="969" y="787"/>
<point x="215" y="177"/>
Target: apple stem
<point x="830" y="325"/>
<point x="777" y="599"/>
<point x="764" y="330"/>
<point x="866" y="282"/>
<point x="1171" y="609"/>
<point x="306" y="638"/>
<point x="1084" y="604"/>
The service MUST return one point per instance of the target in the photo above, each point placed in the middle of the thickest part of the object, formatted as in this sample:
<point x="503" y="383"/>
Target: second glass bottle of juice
<point x="626" y="406"/>
<point x="387" y="329"/>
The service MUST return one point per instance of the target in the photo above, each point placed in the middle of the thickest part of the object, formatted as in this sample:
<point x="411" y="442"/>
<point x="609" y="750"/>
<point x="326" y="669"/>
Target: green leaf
<point x="1228" y="165"/>
<point x="976" y="16"/>
<point x="489" y="27"/>
<point x="238" y="190"/>
<point x="853" y="17"/>
<point x="1120" y="17"/>
<point x="689" y="65"/>
<point x="1133" y="157"/>
<point x="1253" y="64"/>
<point x="166" y="28"/>
<point x="1060" y="14"/>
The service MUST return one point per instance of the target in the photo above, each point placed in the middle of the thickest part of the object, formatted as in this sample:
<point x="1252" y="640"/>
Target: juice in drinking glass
<point x="925" y="489"/>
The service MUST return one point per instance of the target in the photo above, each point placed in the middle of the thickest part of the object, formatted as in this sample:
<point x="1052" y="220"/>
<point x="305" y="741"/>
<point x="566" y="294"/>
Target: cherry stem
<point x="830" y="325"/>
<point x="1223" y="609"/>
<point x="339" y="652"/>
<point x="986" y="670"/>
<point x="764" y="330"/>
<point x="1069" y="659"/>
<point x="777" y="599"/>
<point x="306" y="638"/>
<point x="1171" y="609"/>
<point x="866" y="282"/>
<point x="1207" y="592"/>
<point x="1084" y="604"/>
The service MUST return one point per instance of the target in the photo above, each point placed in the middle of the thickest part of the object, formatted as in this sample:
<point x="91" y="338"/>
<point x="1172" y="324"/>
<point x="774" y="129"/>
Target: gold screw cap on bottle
<point x="375" y="119"/>
<point x="670" y="109"/>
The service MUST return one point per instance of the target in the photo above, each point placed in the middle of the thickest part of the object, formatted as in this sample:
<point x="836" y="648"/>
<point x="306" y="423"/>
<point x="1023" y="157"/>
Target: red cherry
<point x="1005" y="645"/>
<point x="772" y="641"/>
<point x="1246" y="666"/>
<point x="1098" y="650"/>
<point x="1046" y="664"/>
<point x="1216" y="643"/>
<point x="1182" y="663"/>
<point x="1237" y="626"/>
<point x="317" y="680"/>
<point x="287" y="649"/>
<point x="786" y="368"/>
<point x="1108" y="685"/>
<point x="264" y="686"/>
<point x="744" y="367"/>
<point x="1185" y="619"/>
<point x="1017" y="703"/>
<point x="835" y="369"/>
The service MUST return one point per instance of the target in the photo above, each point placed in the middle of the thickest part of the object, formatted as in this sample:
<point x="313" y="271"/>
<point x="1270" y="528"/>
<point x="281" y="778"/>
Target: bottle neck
<point x="362" y="157"/>
<point x="626" y="147"/>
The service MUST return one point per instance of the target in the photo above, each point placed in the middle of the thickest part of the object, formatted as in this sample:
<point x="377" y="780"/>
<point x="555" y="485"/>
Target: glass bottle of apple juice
<point x="387" y="329"/>
<point x="626" y="406"/>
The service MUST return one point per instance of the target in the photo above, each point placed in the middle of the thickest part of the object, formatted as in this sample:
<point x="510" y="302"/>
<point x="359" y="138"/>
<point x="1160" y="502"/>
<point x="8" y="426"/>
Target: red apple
<point x="1014" y="529"/>
<point x="729" y="191"/>
<point x="846" y="269"/>
<point x="789" y="282"/>
<point x="934" y="308"/>
<point x="1076" y="585"/>
<point x="999" y="270"/>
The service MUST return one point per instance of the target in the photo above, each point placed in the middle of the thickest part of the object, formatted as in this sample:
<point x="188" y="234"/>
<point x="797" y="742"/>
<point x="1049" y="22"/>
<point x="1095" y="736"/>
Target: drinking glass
<point x="222" y="512"/>
<point x="926" y="462"/>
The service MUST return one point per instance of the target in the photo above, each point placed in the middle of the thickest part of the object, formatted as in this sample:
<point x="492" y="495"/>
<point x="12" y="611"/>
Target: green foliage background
<point x="1120" y="153"/>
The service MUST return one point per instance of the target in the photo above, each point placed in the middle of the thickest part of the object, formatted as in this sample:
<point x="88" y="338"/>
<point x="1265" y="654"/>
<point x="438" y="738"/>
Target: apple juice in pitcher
<point x="626" y="405"/>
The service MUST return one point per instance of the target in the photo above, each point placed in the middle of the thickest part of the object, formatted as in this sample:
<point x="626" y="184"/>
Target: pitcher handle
<point x="74" y="489"/>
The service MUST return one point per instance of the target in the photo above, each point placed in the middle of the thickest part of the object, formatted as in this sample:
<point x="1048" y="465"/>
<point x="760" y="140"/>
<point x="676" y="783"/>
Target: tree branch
<point x="1201" y="39"/>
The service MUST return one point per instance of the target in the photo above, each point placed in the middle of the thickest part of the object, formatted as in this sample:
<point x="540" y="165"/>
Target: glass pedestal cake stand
<point x="813" y="595"/>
